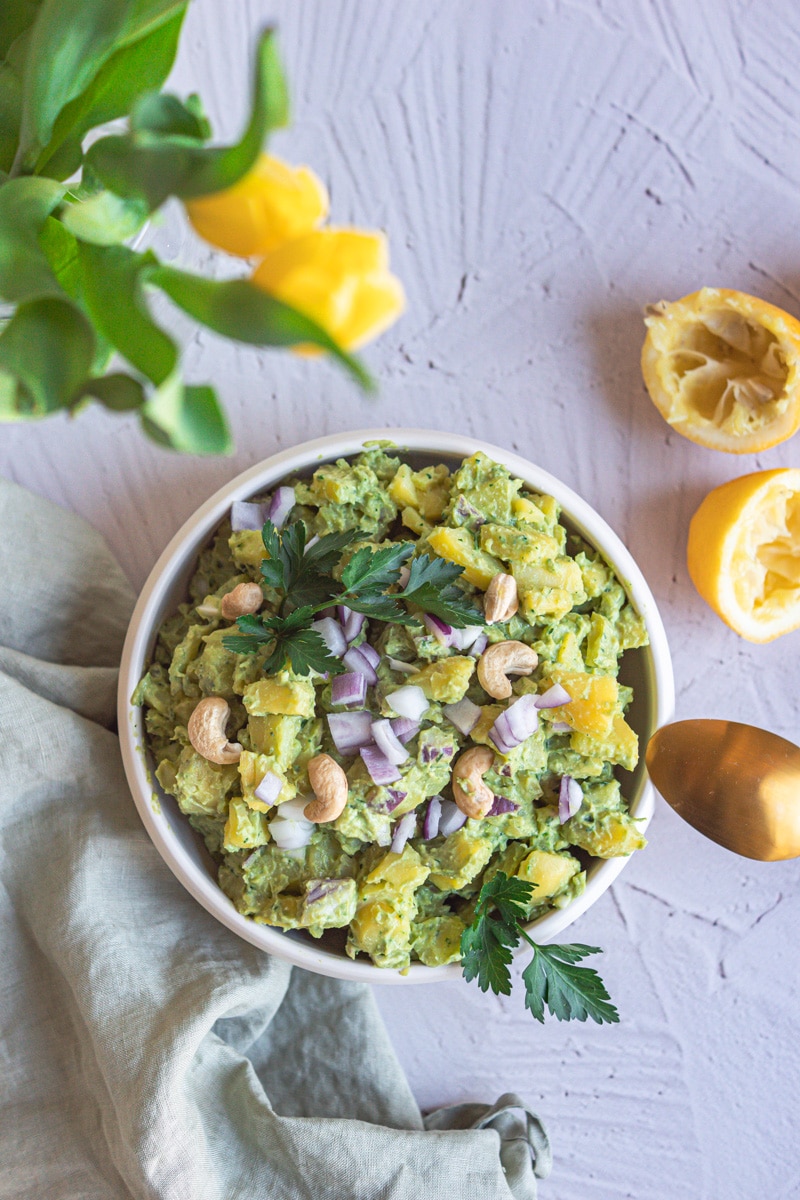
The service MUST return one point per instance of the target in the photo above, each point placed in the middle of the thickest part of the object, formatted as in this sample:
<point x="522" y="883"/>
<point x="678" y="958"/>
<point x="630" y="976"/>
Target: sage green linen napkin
<point x="145" y="1050"/>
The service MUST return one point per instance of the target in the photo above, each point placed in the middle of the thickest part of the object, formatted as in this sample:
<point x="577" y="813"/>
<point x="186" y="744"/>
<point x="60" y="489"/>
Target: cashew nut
<point x="502" y="600"/>
<point x="244" y="599"/>
<point x="206" y="729"/>
<point x="329" y="785"/>
<point x="470" y="793"/>
<point x="501" y="660"/>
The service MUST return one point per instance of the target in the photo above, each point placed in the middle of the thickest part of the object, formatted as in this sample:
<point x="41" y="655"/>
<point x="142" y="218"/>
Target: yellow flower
<point x="272" y="203"/>
<point x="338" y="277"/>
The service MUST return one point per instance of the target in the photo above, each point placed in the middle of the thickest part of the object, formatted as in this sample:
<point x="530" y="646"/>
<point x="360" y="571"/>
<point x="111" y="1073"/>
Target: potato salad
<point x="386" y="686"/>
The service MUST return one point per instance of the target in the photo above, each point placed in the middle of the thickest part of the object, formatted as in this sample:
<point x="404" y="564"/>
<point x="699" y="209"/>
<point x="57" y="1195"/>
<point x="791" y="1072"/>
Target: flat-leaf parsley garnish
<point x="370" y="584"/>
<point x="552" y="979"/>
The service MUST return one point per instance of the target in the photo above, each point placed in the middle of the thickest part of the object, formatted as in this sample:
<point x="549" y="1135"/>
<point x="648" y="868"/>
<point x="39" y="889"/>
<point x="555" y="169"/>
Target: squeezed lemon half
<point x="744" y="553"/>
<point x="723" y="368"/>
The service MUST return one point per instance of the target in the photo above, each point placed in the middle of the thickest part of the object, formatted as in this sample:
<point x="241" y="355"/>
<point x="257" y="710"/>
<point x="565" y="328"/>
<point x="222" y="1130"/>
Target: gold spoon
<point x="738" y="785"/>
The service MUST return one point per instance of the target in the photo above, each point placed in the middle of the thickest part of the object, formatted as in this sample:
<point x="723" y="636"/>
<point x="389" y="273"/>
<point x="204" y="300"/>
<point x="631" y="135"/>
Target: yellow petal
<point x="339" y="278"/>
<point x="273" y="203"/>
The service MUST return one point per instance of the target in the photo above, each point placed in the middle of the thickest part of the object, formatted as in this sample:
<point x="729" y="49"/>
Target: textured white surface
<point x="543" y="169"/>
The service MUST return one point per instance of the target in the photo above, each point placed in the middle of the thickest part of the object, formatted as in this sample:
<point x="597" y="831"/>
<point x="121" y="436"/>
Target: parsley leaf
<point x="486" y="951"/>
<point x="272" y="567"/>
<point x="310" y="581"/>
<point x="551" y="978"/>
<point x="304" y="575"/>
<point x="571" y="993"/>
<point x="290" y="638"/>
<point x="430" y="587"/>
<point x="373" y="570"/>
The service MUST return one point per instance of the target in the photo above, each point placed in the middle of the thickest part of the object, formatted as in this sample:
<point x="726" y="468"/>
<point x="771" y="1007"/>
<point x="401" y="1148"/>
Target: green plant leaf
<point x="15" y="17"/>
<point x="145" y="16"/>
<point x="10" y="113"/>
<point x="70" y="40"/>
<point x="119" y="392"/>
<point x="237" y="309"/>
<point x="140" y="66"/>
<point x="46" y="352"/>
<point x="167" y="116"/>
<point x="183" y="417"/>
<point x="153" y="167"/>
<point x="104" y="219"/>
<point x="61" y="251"/>
<point x="25" y="205"/>
<point x="112" y="279"/>
<point x="187" y="418"/>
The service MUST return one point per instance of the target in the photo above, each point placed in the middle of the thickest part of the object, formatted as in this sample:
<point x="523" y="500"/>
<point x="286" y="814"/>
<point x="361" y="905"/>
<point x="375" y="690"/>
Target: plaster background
<point x="543" y="169"/>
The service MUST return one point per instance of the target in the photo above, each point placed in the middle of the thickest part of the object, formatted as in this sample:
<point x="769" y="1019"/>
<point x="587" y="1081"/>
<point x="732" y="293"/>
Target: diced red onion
<point x="352" y="623"/>
<point x="554" y="697"/>
<point x="383" y="836"/>
<point x="387" y="741"/>
<point x="245" y="515"/>
<point x="517" y="723"/>
<point x="464" y="639"/>
<point x="479" y="646"/>
<point x="464" y="715"/>
<point x="322" y="888"/>
<point x="270" y="788"/>
<point x="502" y="806"/>
<point x="332" y="635"/>
<point x="396" y="798"/>
<point x="409" y="701"/>
<point x="380" y="769"/>
<point x="452" y="818"/>
<point x="349" y="690"/>
<point x="570" y="798"/>
<point x="439" y="628"/>
<point x="356" y="660"/>
<point x="433" y="813"/>
<point x="282" y="503"/>
<point x="560" y="727"/>
<point x="294" y="809"/>
<point x="397" y="664"/>
<point x="370" y="654"/>
<point x="469" y="515"/>
<point x="350" y="731"/>
<point x="289" y="834"/>
<point x="430" y="752"/>
<point x="403" y="831"/>
<point x="311" y="542"/>
<point x="403" y="576"/>
<point x="404" y="729"/>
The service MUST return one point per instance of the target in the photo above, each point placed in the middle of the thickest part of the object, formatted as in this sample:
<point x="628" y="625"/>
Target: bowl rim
<point x="184" y="546"/>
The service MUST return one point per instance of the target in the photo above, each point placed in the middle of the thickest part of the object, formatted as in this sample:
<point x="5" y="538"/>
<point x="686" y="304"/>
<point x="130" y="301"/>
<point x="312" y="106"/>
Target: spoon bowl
<point x="738" y="785"/>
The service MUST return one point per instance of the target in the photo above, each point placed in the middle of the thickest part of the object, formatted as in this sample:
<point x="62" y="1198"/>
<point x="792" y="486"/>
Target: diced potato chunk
<point x="277" y="736"/>
<point x="252" y="769"/>
<point x="548" y="589"/>
<point x="293" y="698"/>
<point x="549" y="873"/>
<point x="458" y="546"/>
<point x="247" y="548"/>
<point x="445" y="680"/>
<point x="620" y="746"/>
<point x="609" y="835"/>
<point x="244" y="828"/>
<point x="594" y="704"/>
<point x="518" y="545"/>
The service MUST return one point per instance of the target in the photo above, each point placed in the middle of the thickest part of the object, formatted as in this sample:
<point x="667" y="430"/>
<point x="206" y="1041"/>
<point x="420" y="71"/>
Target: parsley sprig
<point x="552" y="979"/>
<point x="304" y="576"/>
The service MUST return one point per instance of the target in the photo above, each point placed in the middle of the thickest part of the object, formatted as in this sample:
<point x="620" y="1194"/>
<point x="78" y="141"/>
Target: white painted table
<point x="543" y="170"/>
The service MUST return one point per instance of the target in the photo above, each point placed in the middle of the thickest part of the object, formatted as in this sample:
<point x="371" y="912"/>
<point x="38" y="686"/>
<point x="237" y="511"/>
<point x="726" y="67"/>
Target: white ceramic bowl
<point x="648" y="670"/>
